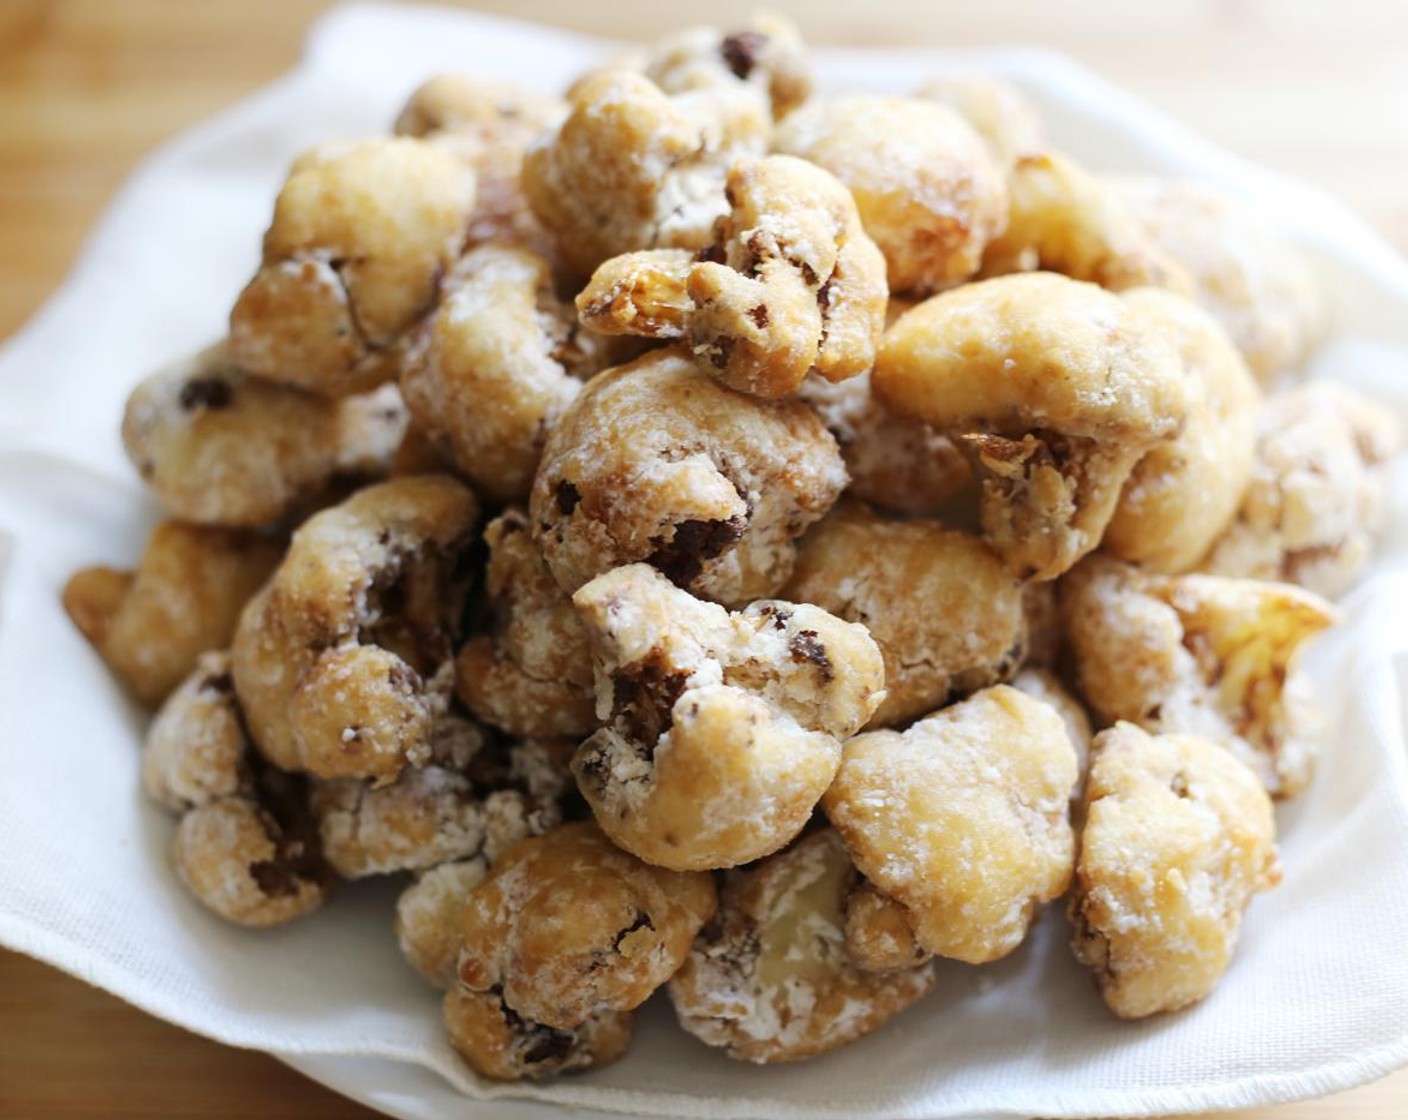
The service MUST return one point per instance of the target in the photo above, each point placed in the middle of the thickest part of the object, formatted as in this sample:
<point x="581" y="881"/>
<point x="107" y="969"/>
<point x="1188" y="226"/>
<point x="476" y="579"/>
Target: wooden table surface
<point x="87" y="86"/>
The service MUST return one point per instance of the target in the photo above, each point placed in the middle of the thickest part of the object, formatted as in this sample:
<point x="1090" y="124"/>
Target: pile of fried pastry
<point x="711" y="535"/>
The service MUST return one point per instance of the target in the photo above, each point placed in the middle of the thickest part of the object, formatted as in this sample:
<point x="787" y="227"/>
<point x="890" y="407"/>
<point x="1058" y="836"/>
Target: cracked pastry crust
<point x="929" y="192"/>
<point x="769" y="978"/>
<point x="495" y="365"/>
<point x="1064" y="219"/>
<point x="184" y="599"/>
<point x="343" y="661"/>
<point x="657" y="462"/>
<point x="220" y="448"/>
<point x="1178" y="837"/>
<point x="1182" y="494"/>
<point x="243" y="846"/>
<point x="361" y="234"/>
<point x="998" y="111"/>
<point x="963" y="819"/>
<point x="947" y="616"/>
<point x="789" y="284"/>
<point x="1057" y="386"/>
<point x="532" y="674"/>
<point x="567" y="926"/>
<point x="1257" y="286"/>
<point x="1316" y="503"/>
<point x="721" y="729"/>
<point x="634" y="167"/>
<point x="1202" y="655"/>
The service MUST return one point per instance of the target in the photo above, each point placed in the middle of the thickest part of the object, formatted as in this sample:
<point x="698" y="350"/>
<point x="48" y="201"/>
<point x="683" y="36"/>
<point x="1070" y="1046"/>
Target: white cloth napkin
<point x="1317" y="999"/>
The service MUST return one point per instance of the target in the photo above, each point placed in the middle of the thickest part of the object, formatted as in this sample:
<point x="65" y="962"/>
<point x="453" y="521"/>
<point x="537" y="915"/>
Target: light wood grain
<point x="1316" y="88"/>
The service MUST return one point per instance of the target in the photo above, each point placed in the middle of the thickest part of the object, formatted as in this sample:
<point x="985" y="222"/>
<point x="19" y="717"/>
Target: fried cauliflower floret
<point x="1059" y="387"/>
<point x="494" y="367"/>
<point x="1183" y="493"/>
<point x="532" y="675"/>
<point x="1256" y="285"/>
<point x="929" y="192"/>
<point x="633" y="167"/>
<point x="500" y="1044"/>
<point x="998" y="111"/>
<point x="361" y="235"/>
<point x="769" y="980"/>
<point x="790" y="284"/>
<point x="567" y="926"/>
<point x="1199" y="655"/>
<point x="343" y="661"/>
<point x="446" y="810"/>
<point x="721" y="730"/>
<point x="1064" y="219"/>
<point x="945" y="613"/>
<point x="220" y="448"/>
<point x="895" y="462"/>
<point x="962" y="819"/>
<point x="880" y="932"/>
<point x="185" y="598"/>
<point x="657" y="462"/>
<point x="766" y="55"/>
<point x="243" y="846"/>
<point x="428" y="918"/>
<point x="1178" y="837"/>
<point x="1315" y="505"/>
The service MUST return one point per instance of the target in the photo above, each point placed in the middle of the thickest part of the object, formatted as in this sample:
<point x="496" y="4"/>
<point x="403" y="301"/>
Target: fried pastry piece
<point x="495" y="365"/>
<point x="1315" y="505"/>
<point x="360" y="237"/>
<point x="1046" y="686"/>
<point x="449" y="809"/>
<point x="895" y="462"/>
<point x="1182" y="494"/>
<point x="343" y="661"/>
<point x="1178" y="837"/>
<point x="220" y="448"/>
<point x="1256" y="285"/>
<point x="533" y="674"/>
<point x="722" y="729"/>
<point x="243" y="846"/>
<point x="1059" y="387"/>
<point x="1064" y="219"/>
<point x="947" y="616"/>
<point x="489" y="126"/>
<point x="567" y="926"/>
<point x="769" y="980"/>
<point x="1201" y="655"/>
<point x="962" y="819"/>
<point x="501" y="1044"/>
<point x="428" y="918"/>
<point x="656" y="461"/>
<point x="929" y="192"/>
<point x="633" y="167"/>
<point x="998" y="111"/>
<point x="184" y="599"/>
<point x="880" y="932"/>
<point x="790" y="284"/>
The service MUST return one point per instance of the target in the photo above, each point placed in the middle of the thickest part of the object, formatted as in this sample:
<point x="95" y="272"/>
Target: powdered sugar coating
<point x="1178" y="837"/>
<point x="360" y="236"/>
<point x="722" y="729"/>
<point x="184" y="599"/>
<point x="567" y="926"/>
<point x="928" y="190"/>
<point x="344" y="660"/>
<point x="533" y="674"/>
<point x="963" y="819"/>
<point x="1200" y="655"/>
<point x="769" y="980"/>
<point x="970" y="631"/>
<point x="790" y="283"/>
<point x="1315" y="505"/>
<point x="196" y="750"/>
<point x="656" y="461"/>
<point x="428" y="918"/>
<point x="1059" y="387"/>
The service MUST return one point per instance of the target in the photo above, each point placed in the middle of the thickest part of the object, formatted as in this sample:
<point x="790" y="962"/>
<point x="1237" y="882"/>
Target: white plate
<point x="1315" y="1001"/>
